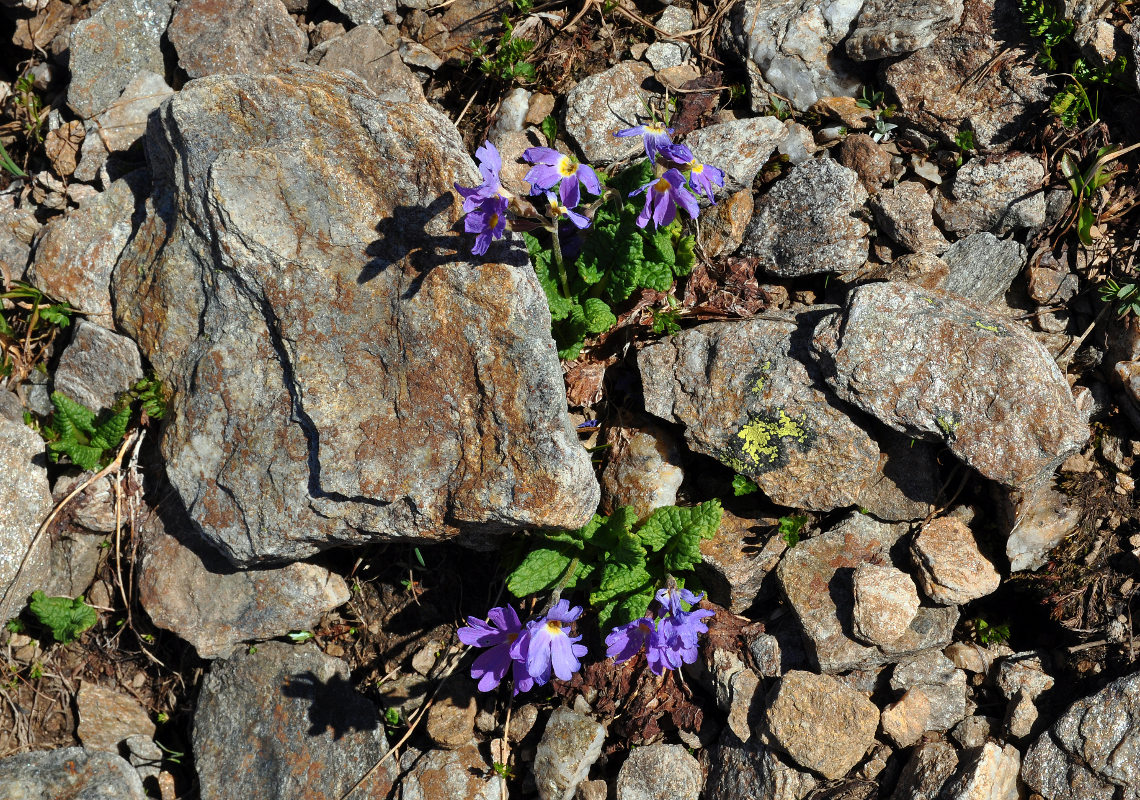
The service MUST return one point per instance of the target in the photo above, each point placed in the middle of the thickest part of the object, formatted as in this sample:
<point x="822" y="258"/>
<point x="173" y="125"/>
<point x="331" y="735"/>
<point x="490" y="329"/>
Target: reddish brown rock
<point x="861" y="153"/>
<point x="951" y="569"/>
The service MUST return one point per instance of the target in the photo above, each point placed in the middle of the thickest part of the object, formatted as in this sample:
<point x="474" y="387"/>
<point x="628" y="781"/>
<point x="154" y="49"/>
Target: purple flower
<point x="662" y="196"/>
<point x="656" y="137"/>
<point x="669" y="637"/>
<point x="500" y="635"/>
<point x="488" y="221"/>
<point x="626" y="641"/>
<point x="548" y="647"/>
<point x="489" y="165"/>
<point x="702" y="177"/>
<point x="550" y="167"/>
<point x="564" y="206"/>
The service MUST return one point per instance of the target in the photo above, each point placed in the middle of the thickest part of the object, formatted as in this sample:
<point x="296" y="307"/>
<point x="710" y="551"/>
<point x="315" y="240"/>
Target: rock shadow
<point x="334" y="705"/>
<point x="404" y="240"/>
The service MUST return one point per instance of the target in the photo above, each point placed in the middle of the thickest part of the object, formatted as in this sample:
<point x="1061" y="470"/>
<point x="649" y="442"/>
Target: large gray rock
<point x="570" y="745"/>
<point x="954" y="84"/>
<point x="887" y="28"/>
<point x="339" y="372"/>
<point x="26" y="500"/>
<point x="808" y="222"/>
<point x="747" y="395"/>
<point x="740" y="148"/>
<point x="995" y="194"/>
<point x="234" y="36"/>
<point x="750" y="770"/>
<point x="1093" y="751"/>
<point x="789" y="49"/>
<point x="935" y="367"/>
<point x="190" y="590"/>
<point x="110" y="49"/>
<point x="364" y="51"/>
<point x="69" y="772"/>
<point x="285" y="722"/>
<point x="97" y="366"/>
<point x="660" y="772"/>
<point x="603" y="104"/>
<point x="816" y="576"/>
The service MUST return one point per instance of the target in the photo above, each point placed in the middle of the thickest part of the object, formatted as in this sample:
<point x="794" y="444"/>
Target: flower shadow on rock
<point x="335" y="705"/>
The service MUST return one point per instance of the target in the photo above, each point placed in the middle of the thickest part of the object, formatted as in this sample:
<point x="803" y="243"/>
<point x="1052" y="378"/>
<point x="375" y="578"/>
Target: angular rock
<point x="950" y="568"/>
<point x="1093" y="750"/>
<point x="107" y="717"/>
<point x="412" y="401"/>
<point x="988" y="774"/>
<point x="660" y="772"/>
<point x="366" y="12"/>
<point x="746" y="770"/>
<point x="905" y="213"/>
<point x="36" y="33"/>
<point x="26" y="500"/>
<point x="982" y="266"/>
<point x="905" y="720"/>
<point x="124" y="122"/>
<point x="740" y="148"/>
<point x="929" y="768"/>
<point x="816" y="577"/>
<point x="570" y="745"/>
<point x="188" y="589"/>
<point x="789" y="49"/>
<point x="867" y="158"/>
<point x="18" y="228"/>
<point x="807" y="223"/>
<point x="71" y="772"/>
<point x="446" y="774"/>
<point x="935" y="367"/>
<point x="1023" y="673"/>
<point x="995" y="194"/>
<point x="230" y="36"/>
<point x="643" y="469"/>
<point x="603" y="104"/>
<point x="75" y="559"/>
<point x="97" y="366"/>
<point x="62" y="147"/>
<point x="110" y="49"/>
<point x="886" y="603"/>
<point x="365" y="52"/>
<point x="723" y="225"/>
<point x="887" y="28"/>
<point x="76" y="253"/>
<point x="802" y="704"/>
<point x="734" y="564"/>
<point x="973" y="732"/>
<point x="312" y="734"/>
<point x="747" y="396"/>
<point x="1020" y="716"/>
<point x="665" y="53"/>
<point x="94" y="507"/>
<point x="1041" y="520"/>
<point x="450" y="722"/>
<point x="734" y="687"/>
<point x="943" y="685"/>
<point x="1002" y="99"/>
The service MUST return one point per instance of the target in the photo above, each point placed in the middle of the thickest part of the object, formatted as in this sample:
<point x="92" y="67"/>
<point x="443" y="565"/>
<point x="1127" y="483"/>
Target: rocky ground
<point x="897" y="328"/>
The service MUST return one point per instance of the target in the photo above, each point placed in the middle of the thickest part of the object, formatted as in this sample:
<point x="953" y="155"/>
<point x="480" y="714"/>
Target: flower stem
<point x="571" y="568"/>
<point x="562" y="279"/>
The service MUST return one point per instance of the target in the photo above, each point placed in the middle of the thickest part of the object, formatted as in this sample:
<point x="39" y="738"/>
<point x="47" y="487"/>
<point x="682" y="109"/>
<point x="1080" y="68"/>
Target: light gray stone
<point x="1041" y="520"/>
<point x="124" y="122"/>
<point x="26" y="500"/>
<point x="643" y="469"/>
<point x="570" y="745"/>
<point x="660" y="772"/>
<point x="906" y="214"/>
<point x="973" y="732"/>
<point x="439" y="774"/>
<point x="807" y="223"/>
<point x="97" y="366"/>
<point x="982" y="266"/>
<point x="734" y="687"/>
<point x="412" y="401"/>
<point x="943" y="685"/>
<point x="997" y="194"/>
<point x="234" y="36"/>
<point x="987" y="774"/>
<point x="312" y="734"/>
<point x="107" y="717"/>
<point x="935" y="367"/>
<point x="18" y="228"/>
<point x="111" y="48"/>
<point x="366" y="12"/>
<point x="72" y="772"/>
<point x="603" y="104"/>
<point x="886" y="602"/>
<point x="365" y="52"/>
<point x="750" y="770"/>
<point x="740" y="148"/>
<point x="887" y="28"/>
<point x="950" y="568"/>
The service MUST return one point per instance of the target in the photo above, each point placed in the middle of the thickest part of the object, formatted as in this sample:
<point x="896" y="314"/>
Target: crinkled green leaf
<point x="619" y="579"/>
<point x="686" y="257"/>
<point x="625" y="609"/>
<point x="677" y="532"/>
<point x="742" y="485"/>
<point x="83" y="456"/>
<point x="597" y="315"/>
<point x="111" y="431"/>
<point x="64" y="617"/>
<point x="75" y="413"/>
<point x="539" y="571"/>
<point x="616" y="538"/>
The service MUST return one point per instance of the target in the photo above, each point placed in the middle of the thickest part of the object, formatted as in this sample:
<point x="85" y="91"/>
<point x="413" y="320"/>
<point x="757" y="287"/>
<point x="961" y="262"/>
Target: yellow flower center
<point x="655" y="128"/>
<point x="696" y="167"/>
<point x="661" y="186"/>
<point x="493" y="220"/>
<point x="553" y="627"/>
<point x="567" y="167"/>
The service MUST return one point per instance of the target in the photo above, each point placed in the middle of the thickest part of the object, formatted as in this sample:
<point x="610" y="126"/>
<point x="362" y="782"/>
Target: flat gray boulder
<point x="75" y="773"/>
<point x="340" y="371"/>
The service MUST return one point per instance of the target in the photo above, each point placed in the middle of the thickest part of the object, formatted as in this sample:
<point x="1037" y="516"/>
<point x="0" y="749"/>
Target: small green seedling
<point x="64" y="617"/>
<point x="300" y="637"/>
<point x="1084" y="184"/>
<point x="789" y="528"/>
<point x="964" y="141"/>
<point x="742" y="485"/>
<point x="507" y="62"/>
<point x="988" y="634"/>
<point x="1125" y="299"/>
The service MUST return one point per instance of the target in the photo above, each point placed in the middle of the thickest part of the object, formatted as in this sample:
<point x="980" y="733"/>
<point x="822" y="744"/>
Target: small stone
<point x="972" y="657"/>
<point x="62" y="147"/>
<point x="1023" y="673"/>
<point x="675" y="78"/>
<point x="18" y="228"/>
<point x="1020" y="716"/>
<point x="807" y="223"/>
<point x="867" y="158"/>
<point x="570" y="745"/>
<point x="451" y="719"/>
<point x="107" y="717"/>
<point x="982" y="266"/>
<point x="929" y="768"/>
<point x="739" y="770"/>
<point x="660" y="772"/>
<point x="70" y="772"/>
<point x="145" y="756"/>
<point x="950" y="568"/>
<point x="97" y="366"/>
<point x="75" y="559"/>
<point x="997" y="194"/>
<point x="416" y="55"/>
<point x="214" y="37"/>
<point x="798" y="143"/>
<point x="364" y="52"/>
<point x="523" y="722"/>
<point x="802" y="704"/>
<point x="26" y="500"/>
<point x="845" y="110"/>
<point x="723" y="225"/>
<point x="765" y="652"/>
<point x="511" y="116"/>
<point x="643" y="469"/>
<point x="988" y="774"/>
<point x="52" y="18"/>
<point x="124" y="122"/>
<point x="593" y="790"/>
<point x="447" y="774"/>
<point x="541" y="106"/>
<point x="739" y="148"/>
<point x="906" y="719"/>
<point x="366" y="12"/>
<point x="973" y="732"/>
<point x="1041" y="519"/>
<point x="943" y="685"/>
<point x="886" y="602"/>
<point x="603" y="104"/>
<point x="905" y="213"/>
<point x="734" y="687"/>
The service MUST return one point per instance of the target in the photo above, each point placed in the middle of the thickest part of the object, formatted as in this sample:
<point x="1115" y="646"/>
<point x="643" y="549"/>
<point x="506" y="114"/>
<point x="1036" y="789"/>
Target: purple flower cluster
<point x="684" y="175"/>
<point x="668" y="634"/>
<point x="532" y="652"/>
<point x="543" y="646"/>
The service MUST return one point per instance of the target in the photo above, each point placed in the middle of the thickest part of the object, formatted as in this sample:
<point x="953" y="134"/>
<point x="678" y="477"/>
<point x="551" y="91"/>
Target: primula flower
<point x="501" y="634"/>
<point x="702" y="177"/>
<point x="550" y="167"/>
<point x="564" y="206"/>
<point x="547" y="647"/>
<point x="662" y="196"/>
<point x="490" y="162"/>
<point x="669" y="637"/>
<point x="656" y="137"/>
<point x="488" y="221"/>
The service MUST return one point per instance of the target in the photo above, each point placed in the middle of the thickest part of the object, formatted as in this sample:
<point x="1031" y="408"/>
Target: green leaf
<point x="64" y="617"/>
<point x="617" y="580"/>
<point x="550" y="129"/>
<point x="77" y="414"/>
<point x="742" y="485"/>
<point x="539" y="571"/>
<point x="677" y="532"/>
<point x="626" y="609"/>
<point x="686" y="256"/>
<point x="789" y="528"/>
<point x="83" y="456"/>
<point x="597" y="315"/>
<point x="58" y="314"/>
<point x="1085" y="220"/>
<point x="111" y="431"/>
